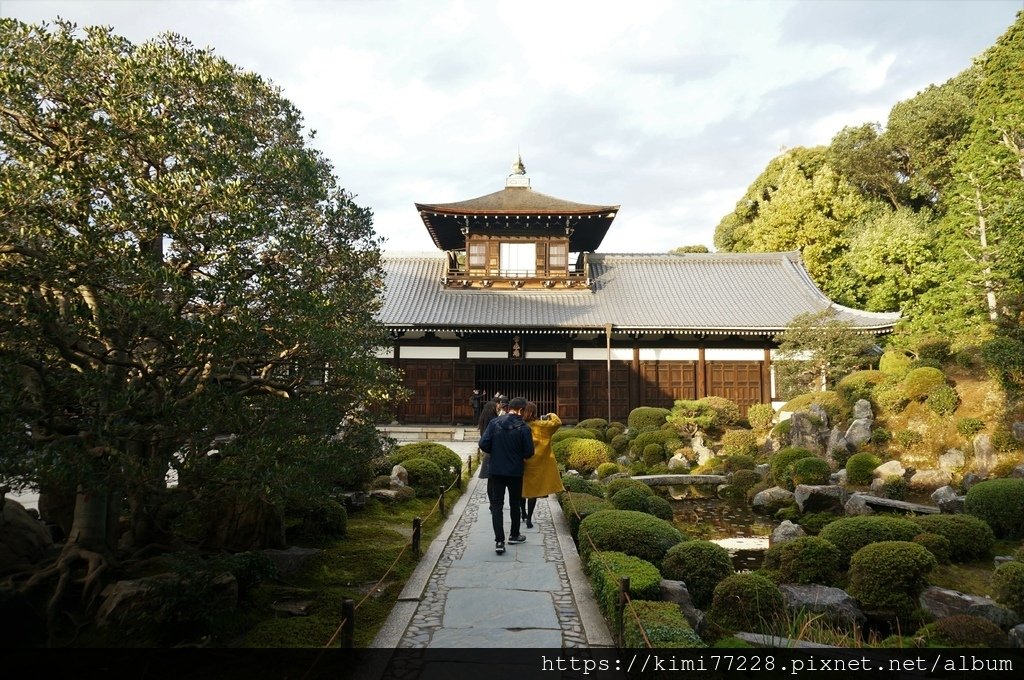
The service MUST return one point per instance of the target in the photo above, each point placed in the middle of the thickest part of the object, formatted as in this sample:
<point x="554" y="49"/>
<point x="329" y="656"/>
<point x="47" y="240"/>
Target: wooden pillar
<point x="766" y="377"/>
<point x="702" y="376"/>
<point x="634" y="378"/>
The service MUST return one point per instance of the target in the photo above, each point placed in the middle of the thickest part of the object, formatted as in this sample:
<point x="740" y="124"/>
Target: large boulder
<point x="952" y="460"/>
<point x="985" y="454"/>
<point x="948" y="501"/>
<point x="891" y="468"/>
<point x="771" y="500"/>
<point x="862" y="410"/>
<point x="1017" y="636"/>
<point x="23" y="539"/>
<point x="930" y="479"/>
<point x="820" y="498"/>
<point x="126" y="602"/>
<point x="859" y="431"/>
<point x="837" y="450"/>
<point x="943" y="602"/>
<point x="704" y="454"/>
<point x="786" y="532"/>
<point x="399" y="476"/>
<point x="834" y="604"/>
<point x="805" y="431"/>
<point x="677" y="593"/>
<point x="678" y="463"/>
<point x="857" y="505"/>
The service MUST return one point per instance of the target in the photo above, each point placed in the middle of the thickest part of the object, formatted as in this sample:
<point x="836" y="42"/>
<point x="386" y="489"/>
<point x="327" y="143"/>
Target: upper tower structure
<point x="517" y="237"/>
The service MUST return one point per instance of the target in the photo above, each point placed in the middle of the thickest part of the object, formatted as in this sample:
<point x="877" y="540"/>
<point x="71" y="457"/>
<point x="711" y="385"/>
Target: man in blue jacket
<point x="509" y="442"/>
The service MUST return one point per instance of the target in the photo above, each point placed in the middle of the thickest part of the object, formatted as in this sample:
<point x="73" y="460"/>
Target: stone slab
<point x="508" y="575"/>
<point x="488" y="608"/>
<point x="472" y="638"/>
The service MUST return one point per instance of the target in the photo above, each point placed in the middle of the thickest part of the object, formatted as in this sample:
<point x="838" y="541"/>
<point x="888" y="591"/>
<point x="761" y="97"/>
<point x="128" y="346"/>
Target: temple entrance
<point x="535" y="382"/>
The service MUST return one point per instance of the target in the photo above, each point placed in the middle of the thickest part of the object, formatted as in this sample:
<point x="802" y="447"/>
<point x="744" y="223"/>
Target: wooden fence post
<point x="441" y="499"/>
<point x="348" y="628"/>
<point x="417" y="525"/>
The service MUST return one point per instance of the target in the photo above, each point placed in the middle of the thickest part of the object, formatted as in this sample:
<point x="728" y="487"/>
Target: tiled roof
<point x="516" y="200"/>
<point x="699" y="292"/>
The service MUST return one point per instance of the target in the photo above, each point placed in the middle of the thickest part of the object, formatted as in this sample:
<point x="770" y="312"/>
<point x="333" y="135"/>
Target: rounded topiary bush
<point x="962" y="630"/>
<point x="937" y="544"/>
<point x="727" y="411"/>
<point x="895" y="362"/>
<point x="943" y="400"/>
<point x="1000" y="502"/>
<point x="1008" y="585"/>
<point x="744" y="479"/>
<point x="748" y="602"/>
<point x="739" y="461"/>
<point x="639" y="444"/>
<point x="579" y="484"/>
<point x="606" y="568"/>
<point x="859" y="467"/>
<point x="891" y="398"/>
<point x="739" y="443"/>
<point x="447" y="460"/>
<point x="662" y="625"/>
<point x="647" y="416"/>
<point x="563" y="433"/>
<point x="584" y="455"/>
<point x="578" y="506"/>
<point x="804" y="560"/>
<point x="620" y="443"/>
<point x="920" y="382"/>
<point x="619" y="483"/>
<point x="653" y="454"/>
<point x="814" y="471"/>
<point x="761" y="417"/>
<point x="630" y="498"/>
<point x="659" y="507"/>
<point x="593" y="423"/>
<point x="889" y="576"/>
<point x="859" y="385"/>
<point x="850" y="534"/>
<point x="605" y="469"/>
<point x="782" y="465"/>
<point x="814" y="522"/>
<point x="634" y="533"/>
<point x="970" y="538"/>
<point x="701" y="565"/>
<point x="424" y="476"/>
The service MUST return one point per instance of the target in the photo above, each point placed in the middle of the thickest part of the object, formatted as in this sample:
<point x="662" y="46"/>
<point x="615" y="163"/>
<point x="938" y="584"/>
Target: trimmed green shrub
<point x="598" y="434"/>
<point x="921" y="382"/>
<point x="859" y="467"/>
<point x="1000" y="502"/>
<point x="579" y="484"/>
<point x="659" y="507"/>
<point x="895" y="487"/>
<point x="447" y="460"/>
<point x="760" y="417"/>
<point x="943" y="400"/>
<point x="933" y="348"/>
<point x="937" y="544"/>
<point x="578" y="506"/>
<point x="424" y="476"/>
<point x="647" y="416"/>
<point x="606" y="568"/>
<point x="593" y="423"/>
<point x="639" y="444"/>
<point x="889" y="576"/>
<point x="744" y="479"/>
<point x="880" y="436"/>
<point x="1008" y="585"/>
<point x="962" y="630"/>
<point x="630" y="499"/>
<point x="701" y="565"/>
<point x="748" y="602"/>
<point x="895" y="362"/>
<point x="812" y="471"/>
<point x="739" y="443"/>
<point x="620" y="483"/>
<point x="605" y="469"/>
<point x="664" y="625"/>
<point x="563" y="433"/>
<point x="891" y="398"/>
<point x="1003" y="358"/>
<point x="586" y="454"/>
<point x="808" y="559"/>
<point x="814" y="522"/>
<point x="634" y="533"/>
<point x="737" y="462"/>
<point x="688" y="416"/>
<point x="906" y="439"/>
<point x="321" y="518"/>
<point x="782" y="464"/>
<point x="834" y="406"/>
<point x="859" y="385"/>
<point x="620" y="443"/>
<point x="611" y="432"/>
<point x="727" y="411"/>
<point x="850" y="534"/>
<point x="970" y="538"/>
<point x="653" y="454"/>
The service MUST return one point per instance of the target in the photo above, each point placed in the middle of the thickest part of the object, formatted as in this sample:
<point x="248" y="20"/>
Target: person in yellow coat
<point x="540" y="476"/>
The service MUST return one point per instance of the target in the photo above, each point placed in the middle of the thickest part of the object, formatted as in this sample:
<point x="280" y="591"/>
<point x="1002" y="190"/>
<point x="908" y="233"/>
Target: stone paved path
<point x="535" y="595"/>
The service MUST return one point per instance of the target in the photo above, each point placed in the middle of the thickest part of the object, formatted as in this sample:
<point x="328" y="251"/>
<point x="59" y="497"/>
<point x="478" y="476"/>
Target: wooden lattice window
<point x="558" y="256"/>
<point x="477" y="255"/>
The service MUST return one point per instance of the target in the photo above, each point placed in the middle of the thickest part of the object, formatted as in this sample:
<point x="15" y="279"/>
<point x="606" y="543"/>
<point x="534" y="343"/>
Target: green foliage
<point x="815" y="345"/>
<point x="962" y="630"/>
<point x="581" y="485"/>
<point x="747" y="602"/>
<point x="812" y="471"/>
<point x="659" y="507"/>
<point x="891" y="398"/>
<point x="739" y="442"/>
<point x="582" y="455"/>
<point x="937" y="544"/>
<point x="814" y="522"/>
<point x="859" y="385"/>
<point x="579" y="506"/>
<point x="834" y="406"/>
<point x="727" y="412"/>
<point x="933" y="348"/>
<point x="970" y="538"/>
<point x="907" y="439"/>
<point x="628" y="531"/>
<point x="689" y="416"/>
<point x="896" y="363"/>
<point x="850" y="534"/>
<point x="701" y="565"/>
<point x="1000" y="503"/>
<point x="662" y="623"/>
<point x="921" y="382"/>
<point x="647" y="416"/>
<point x="605" y="469"/>
<point x="1004" y="359"/>
<point x="322" y="517"/>
<point x="619" y="483"/>
<point x="859" y="467"/>
<point x="782" y="464"/>
<point x="880" y="436"/>
<point x="943" y="401"/>
<point x="630" y="498"/>
<point x="424" y="476"/>
<point x="760" y="417"/>
<point x="737" y="462"/>
<point x="446" y="460"/>
<point x="895" y="487"/>
<point x="807" y="559"/>
<point x="639" y="444"/>
<point x="653" y="454"/>
<point x="563" y="433"/>
<point x="889" y="576"/>
<point x="1008" y="585"/>
<point x="593" y="423"/>
<point x="620" y="443"/>
<point x="607" y="567"/>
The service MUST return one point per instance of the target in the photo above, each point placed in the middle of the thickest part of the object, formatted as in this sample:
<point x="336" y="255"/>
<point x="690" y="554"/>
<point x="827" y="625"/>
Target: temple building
<point x="517" y="300"/>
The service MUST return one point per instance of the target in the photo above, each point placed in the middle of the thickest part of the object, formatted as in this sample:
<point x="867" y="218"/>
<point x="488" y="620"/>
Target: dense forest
<point x="924" y="214"/>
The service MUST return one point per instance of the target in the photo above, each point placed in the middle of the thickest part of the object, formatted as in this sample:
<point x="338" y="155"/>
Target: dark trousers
<point x="496" y="485"/>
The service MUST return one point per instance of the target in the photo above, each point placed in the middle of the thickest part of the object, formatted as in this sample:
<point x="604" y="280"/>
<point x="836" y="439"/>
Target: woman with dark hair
<point x="488" y="413"/>
<point x="540" y="475"/>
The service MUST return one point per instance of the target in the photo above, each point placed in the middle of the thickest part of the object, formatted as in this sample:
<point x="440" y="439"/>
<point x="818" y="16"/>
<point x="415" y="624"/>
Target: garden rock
<point x="819" y="412"/>
<point x="943" y="602"/>
<point x="838" y="477"/>
<point x="400" y="476"/>
<point x="291" y="560"/>
<point x="952" y="460"/>
<point x="771" y="500"/>
<point x="1017" y="636"/>
<point x="623" y="460"/>
<point x="971" y="478"/>
<point x="1017" y="472"/>
<point x="930" y="479"/>
<point x="837" y="444"/>
<point x="820" y="498"/>
<point x="678" y="463"/>
<point x="704" y="454"/>
<point x="985" y="457"/>
<point x="762" y="470"/>
<point x="862" y="410"/>
<point x="891" y="468"/>
<point x="1018" y="430"/>
<point x="804" y="432"/>
<point x="857" y="505"/>
<point x="24" y="540"/>
<point x="834" y="604"/>
<point x="948" y="501"/>
<point x="786" y="532"/>
<point x="126" y="601"/>
<point x="676" y="593"/>
<point x="859" y="432"/>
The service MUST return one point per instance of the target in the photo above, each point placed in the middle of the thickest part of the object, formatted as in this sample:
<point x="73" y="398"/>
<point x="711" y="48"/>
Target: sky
<point x="669" y="108"/>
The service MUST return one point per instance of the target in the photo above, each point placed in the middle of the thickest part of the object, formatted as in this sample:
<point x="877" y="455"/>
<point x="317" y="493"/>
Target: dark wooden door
<point x="431" y="385"/>
<point x="464" y="383"/>
<point x="739" y="381"/>
<point x="567" y="395"/>
<point x="594" y="390"/>
<point x="663" y="382"/>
